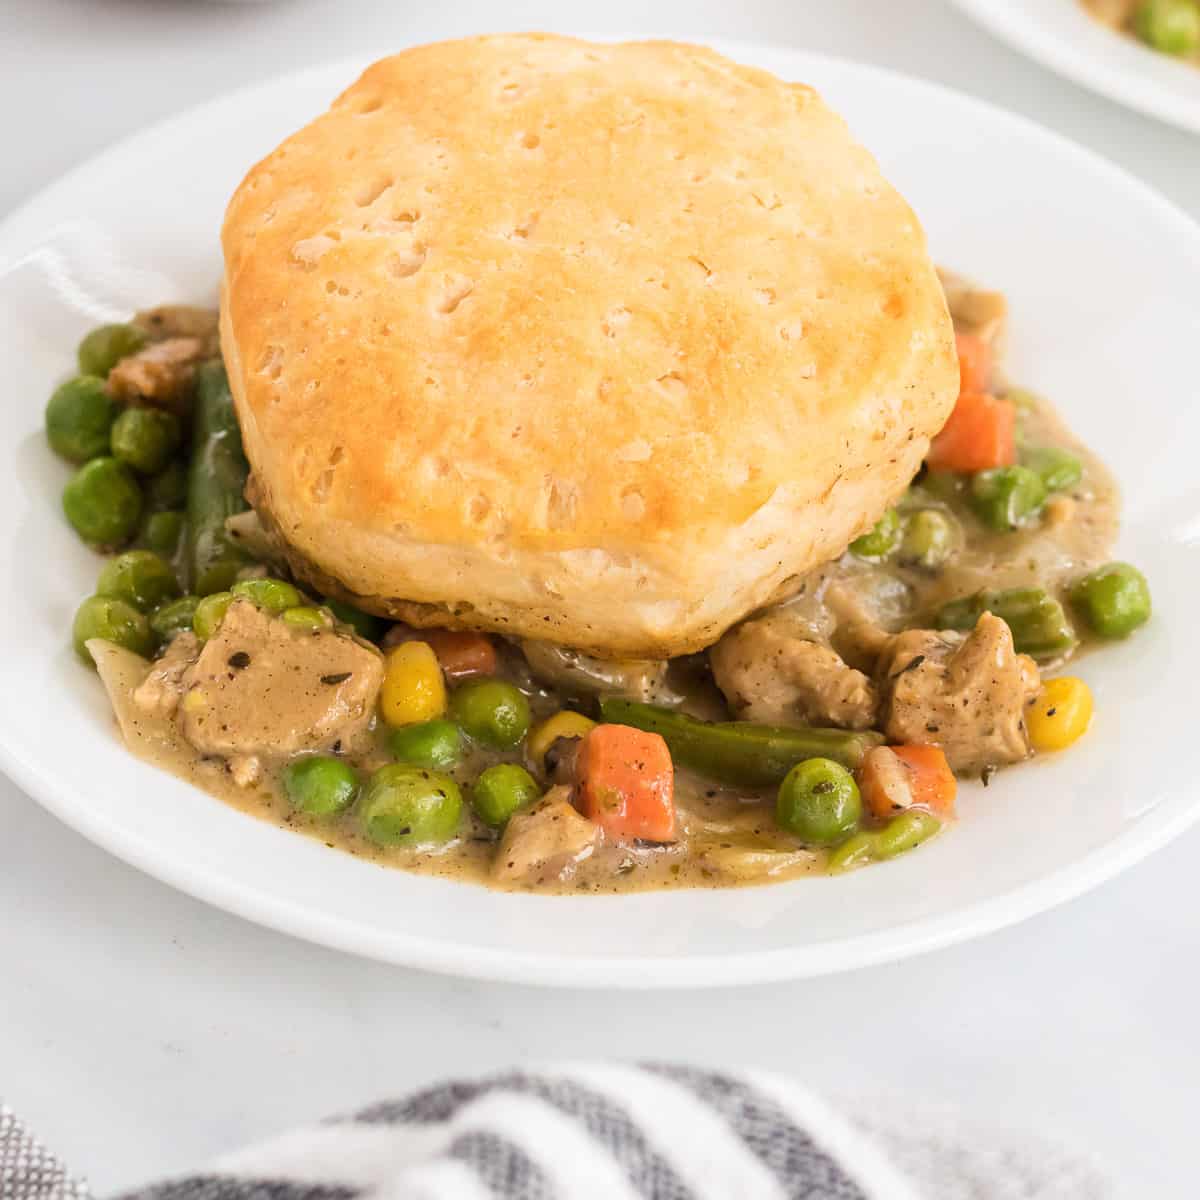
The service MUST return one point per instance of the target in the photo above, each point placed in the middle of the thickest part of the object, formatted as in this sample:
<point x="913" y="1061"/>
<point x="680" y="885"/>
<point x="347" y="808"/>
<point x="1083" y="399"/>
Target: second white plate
<point x="1059" y="34"/>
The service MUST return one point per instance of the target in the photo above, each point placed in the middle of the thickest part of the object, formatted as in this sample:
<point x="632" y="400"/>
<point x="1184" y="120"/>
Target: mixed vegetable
<point x="1169" y="26"/>
<point x="821" y="735"/>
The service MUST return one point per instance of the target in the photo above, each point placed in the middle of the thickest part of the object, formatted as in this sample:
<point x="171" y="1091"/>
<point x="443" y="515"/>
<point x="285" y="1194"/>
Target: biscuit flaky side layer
<point x="603" y="344"/>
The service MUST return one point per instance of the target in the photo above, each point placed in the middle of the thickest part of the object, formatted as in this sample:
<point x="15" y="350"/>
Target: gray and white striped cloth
<point x="608" y="1132"/>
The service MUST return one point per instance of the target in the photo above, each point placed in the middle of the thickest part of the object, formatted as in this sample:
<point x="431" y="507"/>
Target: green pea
<point x="113" y="620"/>
<point x="364" y="624"/>
<point x="305" y="617"/>
<point x="406" y="806"/>
<point x="272" y="594"/>
<point x="856" y="851"/>
<point x="1004" y="498"/>
<point x="321" y="786"/>
<point x="437" y="745"/>
<point x="103" y="502"/>
<point x="104" y="347"/>
<point x="167" y="489"/>
<point x="176" y="616"/>
<point x="819" y="802"/>
<point x="501" y="790"/>
<point x="1172" y="26"/>
<point x="881" y="540"/>
<point x="1058" y="469"/>
<point x="905" y="831"/>
<point x="79" y="418"/>
<point x="1114" y="600"/>
<point x="209" y="614"/>
<point x="930" y="536"/>
<point x="145" y="438"/>
<point x="162" y="531"/>
<point x="492" y="712"/>
<point x="139" y="577"/>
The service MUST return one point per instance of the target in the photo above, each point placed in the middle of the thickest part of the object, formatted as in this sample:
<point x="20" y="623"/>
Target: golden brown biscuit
<point x="597" y="344"/>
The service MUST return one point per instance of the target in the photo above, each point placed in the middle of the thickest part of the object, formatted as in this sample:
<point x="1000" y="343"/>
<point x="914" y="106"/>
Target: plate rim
<point x="1134" y="91"/>
<point x="1143" y="835"/>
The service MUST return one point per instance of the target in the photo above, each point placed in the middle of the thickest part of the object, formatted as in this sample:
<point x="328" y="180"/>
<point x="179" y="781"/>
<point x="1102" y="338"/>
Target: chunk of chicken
<point x="769" y="672"/>
<point x="181" y="320"/>
<point x="975" y="310"/>
<point x="573" y="671"/>
<point x="967" y="695"/>
<point x="545" y="841"/>
<point x="159" y="693"/>
<point x="160" y="374"/>
<point x="262" y="687"/>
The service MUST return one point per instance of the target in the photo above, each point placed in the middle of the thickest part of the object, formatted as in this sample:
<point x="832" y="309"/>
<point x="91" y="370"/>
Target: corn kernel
<point x="563" y="724"/>
<point x="413" y="689"/>
<point x="1061" y="713"/>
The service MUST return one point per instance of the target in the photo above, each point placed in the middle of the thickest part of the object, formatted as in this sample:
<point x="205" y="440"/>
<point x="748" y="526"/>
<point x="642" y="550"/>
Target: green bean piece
<point x="113" y="620"/>
<point x="930" y="537"/>
<point x="880" y="541"/>
<point x="1171" y="26"/>
<point x="145" y="438"/>
<point x="306" y="617"/>
<point x="406" y="806"/>
<point x="104" y="347"/>
<point x="436" y="745"/>
<point x="1039" y="626"/>
<point x="1004" y="498"/>
<point x="103" y="502"/>
<point x="79" y="419"/>
<point x="320" y="786"/>
<point x="140" y="578"/>
<point x="905" y="831"/>
<point x="275" y="595"/>
<point x="364" y="624"/>
<point x="819" y="802"/>
<point x="216" y="479"/>
<point x="167" y="489"/>
<point x="738" y="752"/>
<point x="491" y="711"/>
<point x="500" y="791"/>
<point x="162" y="532"/>
<point x="1114" y="599"/>
<point x="856" y="851"/>
<point x="1058" y="469"/>
<point x="174" y="617"/>
<point x="209" y="614"/>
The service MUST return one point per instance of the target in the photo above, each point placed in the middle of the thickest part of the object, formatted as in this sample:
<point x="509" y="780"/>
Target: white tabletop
<point x="142" y="1032"/>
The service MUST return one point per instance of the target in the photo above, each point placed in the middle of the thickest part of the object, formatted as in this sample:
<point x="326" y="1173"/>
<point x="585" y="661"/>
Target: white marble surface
<point x="141" y="1032"/>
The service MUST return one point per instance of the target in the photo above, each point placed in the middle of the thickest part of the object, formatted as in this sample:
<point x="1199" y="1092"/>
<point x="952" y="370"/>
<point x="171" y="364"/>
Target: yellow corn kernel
<point x="563" y="724"/>
<point x="413" y="689"/>
<point x="1061" y="713"/>
<point x="194" y="701"/>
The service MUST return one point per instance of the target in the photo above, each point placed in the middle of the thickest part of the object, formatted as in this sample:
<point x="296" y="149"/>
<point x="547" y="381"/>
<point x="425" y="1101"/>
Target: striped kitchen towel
<point x="611" y="1132"/>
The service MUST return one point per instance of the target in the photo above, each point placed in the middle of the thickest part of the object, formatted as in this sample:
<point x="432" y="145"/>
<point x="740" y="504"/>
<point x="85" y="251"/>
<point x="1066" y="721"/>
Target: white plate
<point x="1105" y="322"/>
<point x="1061" y="35"/>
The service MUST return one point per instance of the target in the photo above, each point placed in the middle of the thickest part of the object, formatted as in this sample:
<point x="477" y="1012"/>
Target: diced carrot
<point x="627" y="783"/>
<point x="895" y="778"/>
<point x="459" y="653"/>
<point x="974" y="363"/>
<point x="980" y="434"/>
